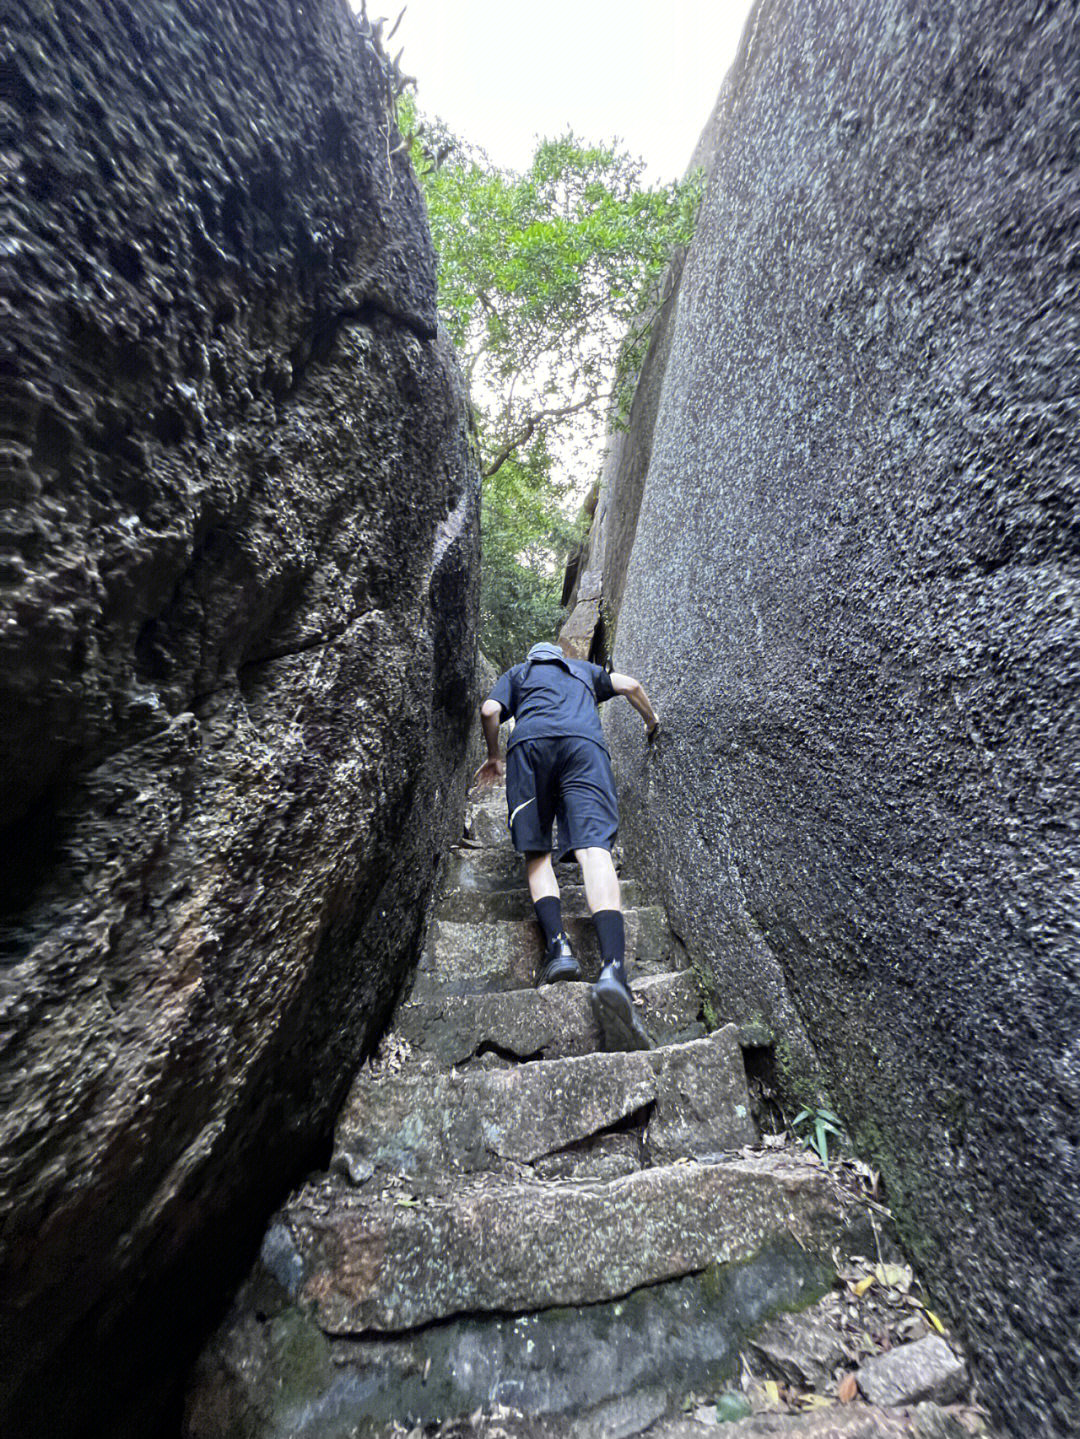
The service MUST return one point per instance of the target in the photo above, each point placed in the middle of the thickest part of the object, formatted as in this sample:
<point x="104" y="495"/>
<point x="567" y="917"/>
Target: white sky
<point x="503" y="72"/>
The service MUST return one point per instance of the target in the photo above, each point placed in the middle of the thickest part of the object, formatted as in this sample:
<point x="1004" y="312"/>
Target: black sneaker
<point x="613" y="1009"/>
<point x="558" y="962"/>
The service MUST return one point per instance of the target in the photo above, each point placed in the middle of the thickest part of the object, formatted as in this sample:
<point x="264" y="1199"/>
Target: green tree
<point x="527" y="531"/>
<point x="548" y="282"/>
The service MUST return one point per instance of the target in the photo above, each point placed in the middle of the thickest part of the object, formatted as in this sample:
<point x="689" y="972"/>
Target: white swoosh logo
<point x="519" y="809"/>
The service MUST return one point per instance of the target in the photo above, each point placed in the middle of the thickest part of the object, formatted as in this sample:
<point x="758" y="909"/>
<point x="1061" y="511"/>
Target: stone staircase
<point x="515" y="1220"/>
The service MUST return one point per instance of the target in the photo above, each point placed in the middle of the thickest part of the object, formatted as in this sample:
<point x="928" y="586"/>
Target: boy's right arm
<point x="498" y="705"/>
<point x="493" y="768"/>
<point x="634" y="691"/>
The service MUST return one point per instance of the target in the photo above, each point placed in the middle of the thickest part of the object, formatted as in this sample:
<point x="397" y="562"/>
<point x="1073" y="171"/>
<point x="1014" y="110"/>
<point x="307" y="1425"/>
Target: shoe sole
<point x="620" y="1028"/>
<point x="567" y="971"/>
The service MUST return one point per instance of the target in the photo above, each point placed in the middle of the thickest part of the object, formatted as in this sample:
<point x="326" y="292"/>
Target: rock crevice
<point x="582" y="1238"/>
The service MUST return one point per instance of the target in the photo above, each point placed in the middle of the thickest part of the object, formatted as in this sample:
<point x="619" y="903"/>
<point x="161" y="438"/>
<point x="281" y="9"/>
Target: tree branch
<point x="533" y="423"/>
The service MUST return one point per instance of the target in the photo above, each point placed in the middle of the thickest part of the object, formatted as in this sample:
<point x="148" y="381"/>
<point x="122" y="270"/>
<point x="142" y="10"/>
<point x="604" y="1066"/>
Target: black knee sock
<point x="549" y="913"/>
<point x="611" y="932"/>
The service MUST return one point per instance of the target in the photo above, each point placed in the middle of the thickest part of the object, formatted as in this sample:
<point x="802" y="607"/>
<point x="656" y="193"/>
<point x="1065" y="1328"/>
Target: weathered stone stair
<point x="515" y="1218"/>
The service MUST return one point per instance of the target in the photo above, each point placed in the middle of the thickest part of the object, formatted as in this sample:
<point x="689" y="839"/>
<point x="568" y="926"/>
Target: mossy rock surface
<point x="284" y="1381"/>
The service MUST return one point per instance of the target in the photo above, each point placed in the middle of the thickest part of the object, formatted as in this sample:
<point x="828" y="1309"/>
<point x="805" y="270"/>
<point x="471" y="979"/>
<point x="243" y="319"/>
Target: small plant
<point x="814" y="1126"/>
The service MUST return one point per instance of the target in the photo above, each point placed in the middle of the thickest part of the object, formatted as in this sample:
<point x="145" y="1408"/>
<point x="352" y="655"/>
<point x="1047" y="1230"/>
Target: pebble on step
<point x="926" y="1369"/>
<point x="801" y="1349"/>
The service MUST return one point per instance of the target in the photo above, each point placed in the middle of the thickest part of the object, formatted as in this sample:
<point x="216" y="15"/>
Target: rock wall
<point x="596" y="576"/>
<point x="238" y="653"/>
<point x="626" y="461"/>
<point x="853" y="597"/>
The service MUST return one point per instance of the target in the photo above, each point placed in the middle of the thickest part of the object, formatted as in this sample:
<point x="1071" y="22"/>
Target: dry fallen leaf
<point x="863" y="1285"/>
<point x="894" y="1276"/>
<point x="809" y="1402"/>
<point x="772" y="1391"/>
<point x="847" y="1389"/>
<point x="934" y="1320"/>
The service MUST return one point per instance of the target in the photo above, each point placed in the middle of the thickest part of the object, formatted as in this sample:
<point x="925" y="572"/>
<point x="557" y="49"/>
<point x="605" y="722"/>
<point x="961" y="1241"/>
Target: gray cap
<point x="545" y="652"/>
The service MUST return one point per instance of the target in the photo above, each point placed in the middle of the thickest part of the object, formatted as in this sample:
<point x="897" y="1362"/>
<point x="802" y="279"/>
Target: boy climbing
<point x="557" y="768"/>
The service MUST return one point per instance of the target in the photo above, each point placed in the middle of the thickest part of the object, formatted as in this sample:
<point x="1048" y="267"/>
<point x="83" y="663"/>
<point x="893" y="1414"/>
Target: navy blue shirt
<point x="549" y="698"/>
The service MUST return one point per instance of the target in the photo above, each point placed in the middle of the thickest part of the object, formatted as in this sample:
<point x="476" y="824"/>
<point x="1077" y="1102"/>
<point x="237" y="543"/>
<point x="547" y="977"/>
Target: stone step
<point x="465" y="904"/>
<point x="484" y="956"/>
<point x="492" y="870"/>
<point x="690" y="1100"/>
<point x="548" y="1023"/>
<point x="596" y="1372"/>
<point x="363" y="1260"/>
<point x="486" y="818"/>
<point x="852" y="1421"/>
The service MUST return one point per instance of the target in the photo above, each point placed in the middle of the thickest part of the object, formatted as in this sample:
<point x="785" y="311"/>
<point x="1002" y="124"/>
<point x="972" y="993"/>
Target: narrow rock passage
<point x="515" y="1221"/>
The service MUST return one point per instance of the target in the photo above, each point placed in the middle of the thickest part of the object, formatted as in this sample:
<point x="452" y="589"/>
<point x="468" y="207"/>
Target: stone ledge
<point x="485" y="956"/>
<point x="362" y="1263"/>
<point x="486" y="870"/>
<point x="854" y="1421"/>
<point x="594" y="1371"/>
<point x="424" y="1121"/>
<point x="465" y="905"/>
<point x="546" y="1023"/>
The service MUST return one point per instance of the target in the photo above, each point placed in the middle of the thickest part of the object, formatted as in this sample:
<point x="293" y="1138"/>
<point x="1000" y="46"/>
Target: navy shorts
<point x="566" y="779"/>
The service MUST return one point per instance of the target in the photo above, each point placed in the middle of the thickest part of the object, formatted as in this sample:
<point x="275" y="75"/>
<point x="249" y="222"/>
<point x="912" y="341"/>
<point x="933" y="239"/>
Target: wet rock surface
<point x="853" y="598"/>
<point x="237" y="599"/>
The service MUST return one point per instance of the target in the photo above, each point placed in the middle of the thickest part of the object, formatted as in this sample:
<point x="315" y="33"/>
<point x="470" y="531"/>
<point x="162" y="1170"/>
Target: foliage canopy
<point x="548" y="283"/>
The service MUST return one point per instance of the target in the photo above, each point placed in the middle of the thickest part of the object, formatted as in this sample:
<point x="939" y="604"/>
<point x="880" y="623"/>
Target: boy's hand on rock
<point x="490" y="772"/>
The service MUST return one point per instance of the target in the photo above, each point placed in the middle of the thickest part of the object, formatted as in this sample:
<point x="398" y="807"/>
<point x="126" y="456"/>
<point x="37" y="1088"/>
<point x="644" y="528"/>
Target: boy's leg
<point x="605" y="906"/>
<point x="589" y="815"/>
<point x="602" y="893"/>
<point x="544" y="892"/>
<point x="601" y="881"/>
<point x="541" y="873"/>
<point x="530" y="801"/>
<point x="591" y="812"/>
